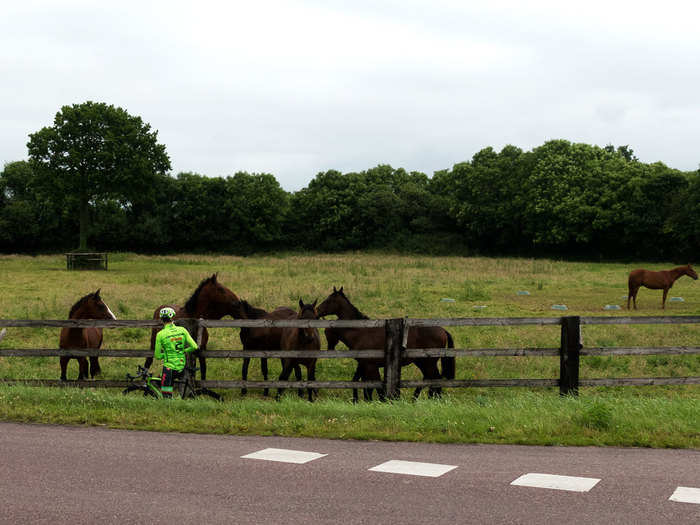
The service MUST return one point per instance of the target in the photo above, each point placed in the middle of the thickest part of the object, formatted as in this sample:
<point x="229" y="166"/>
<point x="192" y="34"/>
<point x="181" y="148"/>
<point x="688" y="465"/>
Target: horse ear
<point x="334" y="290"/>
<point x="213" y="276"/>
<point x="341" y="289"/>
<point x="301" y="303"/>
<point x="97" y="293"/>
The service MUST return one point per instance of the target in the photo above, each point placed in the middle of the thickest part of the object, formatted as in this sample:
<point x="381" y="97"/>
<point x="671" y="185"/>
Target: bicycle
<point x="148" y="384"/>
<point x="185" y="385"/>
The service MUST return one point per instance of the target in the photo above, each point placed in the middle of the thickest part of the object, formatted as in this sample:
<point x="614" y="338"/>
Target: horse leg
<point x="64" y="367"/>
<point x="202" y="366"/>
<point x="244" y="374"/>
<point x="632" y="295"/>
<point x="371" y="373"/>
<point x="297" y="374"/>
<point x="356" y="377"/>
<point x="94" y="366"/>
<point x="311" y="376"/>
<point x="263" y="369"/>
<point x="284" y="375"/>
<point x="82" y="368"/>
<point x="663" y="300"/>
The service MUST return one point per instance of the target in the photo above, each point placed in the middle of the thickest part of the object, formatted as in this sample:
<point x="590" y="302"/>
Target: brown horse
<point x="211" y="300"/>
<point x="89" y="307"/>
<point x="300" y="339"/>
<point x="374" y="338"/>
<point x="662" y="280"/>
<point x="262" y="338"/>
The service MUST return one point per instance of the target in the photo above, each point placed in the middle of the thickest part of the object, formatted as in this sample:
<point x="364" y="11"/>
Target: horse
<point x="338" y="304"/>
<point x="661" y="280"/>
<point x="263" y="338"/>
<point x="210" y="300"/>
<point x="300" y="339"/>
<point x="90" y="306"/>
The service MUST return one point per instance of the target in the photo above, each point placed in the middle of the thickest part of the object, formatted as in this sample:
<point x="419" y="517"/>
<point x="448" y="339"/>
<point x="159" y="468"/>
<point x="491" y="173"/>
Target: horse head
<point x="211" y="300"/>
<point x="691" y="273"/>
<point x="333" y="304"/>
<point x="307" y="311"/>
<point x="91" y="306"/>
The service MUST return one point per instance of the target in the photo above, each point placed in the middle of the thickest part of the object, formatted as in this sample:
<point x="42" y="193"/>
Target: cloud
<point x="293" y="88"/>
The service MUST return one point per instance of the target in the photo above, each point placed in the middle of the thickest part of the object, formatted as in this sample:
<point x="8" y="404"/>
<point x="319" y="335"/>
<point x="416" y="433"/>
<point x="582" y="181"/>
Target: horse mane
<point x="191" y="304"/>
<point x="359" y="314"/>
<point x="252" y="312"/>
<point x="78" y="304"/>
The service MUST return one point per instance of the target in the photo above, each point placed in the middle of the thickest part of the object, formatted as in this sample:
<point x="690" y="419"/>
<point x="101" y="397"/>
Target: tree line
<point x="558" y="199"/>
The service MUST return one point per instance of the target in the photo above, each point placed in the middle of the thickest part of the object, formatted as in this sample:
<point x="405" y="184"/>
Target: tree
<point x="96" y="151"/>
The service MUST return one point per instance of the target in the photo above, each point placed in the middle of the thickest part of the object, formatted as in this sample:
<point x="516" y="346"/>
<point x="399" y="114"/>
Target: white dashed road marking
<point x="551" y="481"/>
<point x="284" y="455"/>
<point x="413" y="468"/>
<point x="686" y="495"/>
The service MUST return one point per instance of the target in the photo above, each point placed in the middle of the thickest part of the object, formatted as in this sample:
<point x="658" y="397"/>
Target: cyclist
<point x="171" y="344"/>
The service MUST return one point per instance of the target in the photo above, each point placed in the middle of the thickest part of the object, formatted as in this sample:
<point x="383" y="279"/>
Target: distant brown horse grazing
<point x="374" y="338"/>
<point x="662" y="280"/>
<point x="300" y="339"/>
<point x="89" y="307"/>
<point x="263" y="338"/>
<point x="211" y="300"/>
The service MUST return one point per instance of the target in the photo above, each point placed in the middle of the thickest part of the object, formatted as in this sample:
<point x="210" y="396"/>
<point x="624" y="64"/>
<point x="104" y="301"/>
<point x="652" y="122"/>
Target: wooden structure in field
<point x="87" y="261"/>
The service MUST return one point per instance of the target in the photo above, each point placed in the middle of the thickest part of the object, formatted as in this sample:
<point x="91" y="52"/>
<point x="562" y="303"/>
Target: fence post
<point x="569" y="352"/>
<point x="392" y="355"/>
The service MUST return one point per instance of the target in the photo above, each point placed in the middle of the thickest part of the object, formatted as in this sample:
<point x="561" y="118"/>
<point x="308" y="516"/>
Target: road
<point x="55" y="474"/>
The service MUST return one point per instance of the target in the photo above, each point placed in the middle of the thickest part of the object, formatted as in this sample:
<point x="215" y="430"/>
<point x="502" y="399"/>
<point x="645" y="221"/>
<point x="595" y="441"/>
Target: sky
<point x="294" y="88"/>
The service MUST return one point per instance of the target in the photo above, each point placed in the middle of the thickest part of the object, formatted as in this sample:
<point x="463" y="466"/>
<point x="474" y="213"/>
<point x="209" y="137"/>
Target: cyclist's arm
<point x="158" y="351"/>
<point x="191" y="344"/>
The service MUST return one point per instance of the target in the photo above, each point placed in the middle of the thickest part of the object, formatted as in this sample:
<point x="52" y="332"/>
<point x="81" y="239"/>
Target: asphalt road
<point x="52" y="474"/>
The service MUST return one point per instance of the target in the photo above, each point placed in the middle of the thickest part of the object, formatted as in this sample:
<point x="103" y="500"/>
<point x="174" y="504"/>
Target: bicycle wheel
<point x="152" y="393"/>
<point x="131" y="388"/>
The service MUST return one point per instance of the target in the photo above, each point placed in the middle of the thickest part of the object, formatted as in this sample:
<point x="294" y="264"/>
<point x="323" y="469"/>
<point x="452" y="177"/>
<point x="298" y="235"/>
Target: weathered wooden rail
<point x="569" y="351"/>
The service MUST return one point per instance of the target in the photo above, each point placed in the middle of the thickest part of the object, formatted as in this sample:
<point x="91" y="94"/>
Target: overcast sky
<point x="294" y="88"/>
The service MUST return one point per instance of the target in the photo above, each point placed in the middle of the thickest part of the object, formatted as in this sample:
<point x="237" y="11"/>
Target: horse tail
<point x="448" y="362"/>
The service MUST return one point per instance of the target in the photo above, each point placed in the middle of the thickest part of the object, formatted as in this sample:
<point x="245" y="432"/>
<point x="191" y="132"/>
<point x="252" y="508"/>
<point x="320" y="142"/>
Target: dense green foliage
<point x="560" y="198"/>
<point x="95" y="151"/>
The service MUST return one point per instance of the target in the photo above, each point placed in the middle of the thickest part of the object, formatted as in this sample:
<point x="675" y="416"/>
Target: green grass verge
<point x="526" y="418"/>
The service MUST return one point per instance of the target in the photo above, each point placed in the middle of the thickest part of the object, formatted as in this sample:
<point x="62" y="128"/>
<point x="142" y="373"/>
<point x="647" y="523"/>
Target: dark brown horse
<point x="89" y="307"/>
<point x="374" y="338"/>
<point x="661" y="280"/>
<point x="211" y="300"/>
<point x="300" y="339"/>
<point x="263" y="338"/>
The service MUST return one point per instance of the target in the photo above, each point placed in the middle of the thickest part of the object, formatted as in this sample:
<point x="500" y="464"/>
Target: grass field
<point x="381" y="286"/>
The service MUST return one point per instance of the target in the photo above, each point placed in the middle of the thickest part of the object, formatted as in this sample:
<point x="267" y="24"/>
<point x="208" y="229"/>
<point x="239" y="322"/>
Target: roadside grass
<point x="526" y="418"/>
<point x="380" y="286"/>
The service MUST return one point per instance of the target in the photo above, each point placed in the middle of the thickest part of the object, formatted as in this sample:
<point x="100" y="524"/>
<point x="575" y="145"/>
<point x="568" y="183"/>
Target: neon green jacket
<point x="171" y="344"/>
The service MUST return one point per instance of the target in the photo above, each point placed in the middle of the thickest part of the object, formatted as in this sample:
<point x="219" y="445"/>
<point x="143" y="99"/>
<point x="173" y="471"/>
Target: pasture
<point x="380" y="286"/>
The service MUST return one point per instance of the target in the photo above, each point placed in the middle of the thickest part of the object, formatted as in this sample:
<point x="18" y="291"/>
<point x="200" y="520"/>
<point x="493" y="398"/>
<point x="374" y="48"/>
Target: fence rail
<point x="569" y="351"/>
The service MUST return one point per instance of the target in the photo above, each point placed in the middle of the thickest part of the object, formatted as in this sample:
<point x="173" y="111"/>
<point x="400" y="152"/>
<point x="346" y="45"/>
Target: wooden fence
<point x="569" y="351"/>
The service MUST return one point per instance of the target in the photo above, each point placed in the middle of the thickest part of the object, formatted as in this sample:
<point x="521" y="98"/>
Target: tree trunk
<point x="83" y="214"/>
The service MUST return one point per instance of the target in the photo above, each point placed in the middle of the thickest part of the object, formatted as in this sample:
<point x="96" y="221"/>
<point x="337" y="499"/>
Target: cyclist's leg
<point x="166" y="382"/>
<point x="184" y="386"/>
